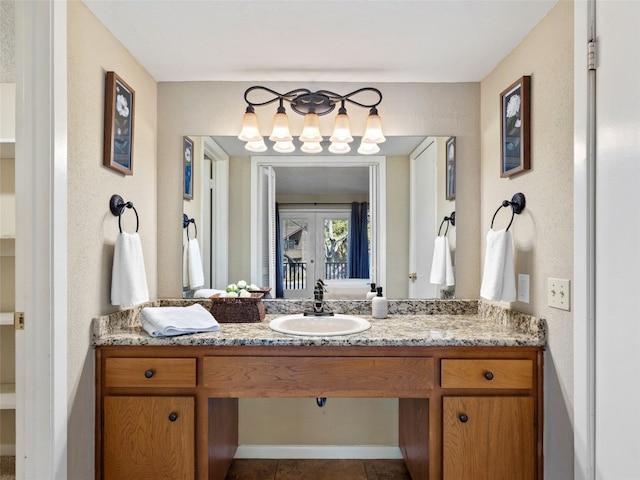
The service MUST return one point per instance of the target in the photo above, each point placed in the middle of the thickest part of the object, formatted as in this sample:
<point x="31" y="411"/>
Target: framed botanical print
<point x="118" y="124"/>
<point x="187" y="162"/>
<point x="515" y="128"/>
<point x="451" y="169"/>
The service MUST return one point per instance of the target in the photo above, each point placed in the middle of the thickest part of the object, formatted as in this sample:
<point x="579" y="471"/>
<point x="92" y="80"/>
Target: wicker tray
<point x="238" y="310"/>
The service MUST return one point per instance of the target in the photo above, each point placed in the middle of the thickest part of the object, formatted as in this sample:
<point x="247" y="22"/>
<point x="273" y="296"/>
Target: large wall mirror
<point x="350" y="220"/>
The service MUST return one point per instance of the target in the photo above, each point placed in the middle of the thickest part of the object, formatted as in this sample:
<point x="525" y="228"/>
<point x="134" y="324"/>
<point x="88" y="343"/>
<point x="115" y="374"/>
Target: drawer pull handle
<point x="463" y="418"/>
<point x="148" y="373"/>
<point x="488" y="375"/>
<point x="173" y="416"/>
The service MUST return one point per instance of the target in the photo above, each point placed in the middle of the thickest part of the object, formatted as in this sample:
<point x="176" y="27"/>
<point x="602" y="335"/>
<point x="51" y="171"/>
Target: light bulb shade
<point x="250" y="131"/>
<point x="311" y="129"/>
<point x="257" y="146"/>
<point x="341" y="129"/>
<point x="373" y="130"/>
<point x="284" y="147"/>
<point x="368" y="148"/>
<point x="340" y="147"/>
<point x="280" y="132"/>
<point x="311" y="147"/>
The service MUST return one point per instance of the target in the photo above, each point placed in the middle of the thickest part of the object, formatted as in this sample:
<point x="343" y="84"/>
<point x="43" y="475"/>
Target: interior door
<point x="299" y="253"/>
<point x="423" y="218"/>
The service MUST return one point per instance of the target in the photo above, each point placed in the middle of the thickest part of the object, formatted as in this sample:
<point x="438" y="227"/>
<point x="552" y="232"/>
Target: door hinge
<point x="591" y="55"/>
<point x="18" y="320"/>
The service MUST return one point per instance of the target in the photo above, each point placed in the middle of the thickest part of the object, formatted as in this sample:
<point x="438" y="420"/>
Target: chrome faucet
<point x="318" y="297"/>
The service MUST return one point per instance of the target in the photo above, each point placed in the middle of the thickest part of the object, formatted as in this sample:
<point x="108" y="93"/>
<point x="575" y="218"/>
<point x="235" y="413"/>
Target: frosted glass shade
<point x="250" y="131"/>
<point x="280" y="132"/>
<point x="311" y="147"/>
<point x="284" y="147"/>
<point x="373" y="130"/>
<point x="368" y="148"/>
<point x="257" y="146"/>
<point x="340" y="147"/>
<point x="341" y="129"/>
<point x="311" y="129"/>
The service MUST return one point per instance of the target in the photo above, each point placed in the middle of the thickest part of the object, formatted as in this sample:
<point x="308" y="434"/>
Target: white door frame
<point x="41" y="239"/>
<point x="378" y="212"/>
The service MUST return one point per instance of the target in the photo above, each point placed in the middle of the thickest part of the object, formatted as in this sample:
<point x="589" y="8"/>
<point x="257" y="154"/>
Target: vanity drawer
<point x="407" y="377"/>
<point x="486" y="373"/>
<point x="150" y="372"/>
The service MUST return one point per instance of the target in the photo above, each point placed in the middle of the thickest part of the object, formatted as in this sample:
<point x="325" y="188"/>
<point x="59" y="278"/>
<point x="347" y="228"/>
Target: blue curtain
<point x="358" y="242"/>
<point x="279" y="266"/>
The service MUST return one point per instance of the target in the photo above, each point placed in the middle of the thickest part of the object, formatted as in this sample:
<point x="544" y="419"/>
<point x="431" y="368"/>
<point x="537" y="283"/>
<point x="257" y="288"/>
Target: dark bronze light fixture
<point x="311" y="105"/>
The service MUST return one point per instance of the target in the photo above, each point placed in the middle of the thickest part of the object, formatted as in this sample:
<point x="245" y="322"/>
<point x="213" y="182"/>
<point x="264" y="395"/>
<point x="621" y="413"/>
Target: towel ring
<point x="451" y="219"/>
<point x="517" y="204"/>
<point x="185" y="224"/>
<point x="117" y="206"/>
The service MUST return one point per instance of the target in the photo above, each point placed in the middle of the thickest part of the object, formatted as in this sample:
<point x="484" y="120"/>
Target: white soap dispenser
<point x="372" y="293"/>
<point x="379" y="305"/>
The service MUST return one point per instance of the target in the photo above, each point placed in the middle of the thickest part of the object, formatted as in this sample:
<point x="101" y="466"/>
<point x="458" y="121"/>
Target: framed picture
<point x="118" y="124"/>
<point x="451" y="169"/>
<point x="187" y="161"/>
<point x="515" y="128"/>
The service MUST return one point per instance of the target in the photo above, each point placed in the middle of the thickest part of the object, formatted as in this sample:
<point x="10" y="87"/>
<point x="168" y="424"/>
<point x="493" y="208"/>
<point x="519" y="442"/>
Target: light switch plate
<point x="523" y="288"/>
<point x="559" y="293"/>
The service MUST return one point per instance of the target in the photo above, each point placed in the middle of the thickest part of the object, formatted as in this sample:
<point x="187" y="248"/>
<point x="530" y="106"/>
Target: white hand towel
<point x="498" y="277"/>
<point x="169" y="321"/>
<point x="441" y="267"/>
<point x="185" y="265"/>
<point x="196" y="273"/>
<point x="128" y="278"/>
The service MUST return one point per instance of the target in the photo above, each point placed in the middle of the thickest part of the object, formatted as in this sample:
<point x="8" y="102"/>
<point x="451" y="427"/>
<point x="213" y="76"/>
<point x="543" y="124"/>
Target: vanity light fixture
<point x="311" y="105"/>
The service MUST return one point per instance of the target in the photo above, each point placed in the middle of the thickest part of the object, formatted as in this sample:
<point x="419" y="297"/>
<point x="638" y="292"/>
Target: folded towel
<point x="128" y="278"/>
<point x="206" y="292"/>
<point x="194" y="264"/>
<point x="498" y="277"/>
<point x="441" y="267"/>
<point x="169" y="321"/>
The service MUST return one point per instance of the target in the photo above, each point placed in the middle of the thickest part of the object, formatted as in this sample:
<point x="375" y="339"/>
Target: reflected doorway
<point x="315" y="245"/>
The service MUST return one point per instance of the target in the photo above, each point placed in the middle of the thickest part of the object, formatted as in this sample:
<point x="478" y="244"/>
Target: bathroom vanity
<point x="470" y="390"/>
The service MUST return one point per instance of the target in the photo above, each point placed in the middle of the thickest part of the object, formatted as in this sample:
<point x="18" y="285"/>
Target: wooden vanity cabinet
<point x="171" y="412"/>
<point x="149" y="438"/>
<point x="147" y="418"/>
<point x="489" y="436"/>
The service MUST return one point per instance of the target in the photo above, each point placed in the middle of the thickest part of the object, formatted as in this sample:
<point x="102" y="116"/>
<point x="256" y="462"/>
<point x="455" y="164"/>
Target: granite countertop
<point x="410" y="323"/>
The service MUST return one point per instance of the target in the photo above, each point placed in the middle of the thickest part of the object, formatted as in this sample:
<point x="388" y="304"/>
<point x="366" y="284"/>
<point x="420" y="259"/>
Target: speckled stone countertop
<point x="410" y="323"/>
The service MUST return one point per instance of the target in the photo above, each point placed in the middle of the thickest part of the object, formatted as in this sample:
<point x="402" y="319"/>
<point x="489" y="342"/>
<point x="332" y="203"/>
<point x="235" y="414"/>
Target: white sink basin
<point x="320" y="326"/>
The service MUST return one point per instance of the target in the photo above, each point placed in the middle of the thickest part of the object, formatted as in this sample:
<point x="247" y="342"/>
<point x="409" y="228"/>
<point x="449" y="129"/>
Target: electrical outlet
<point x="559" y="293"/>
<point x="523" y="288"/>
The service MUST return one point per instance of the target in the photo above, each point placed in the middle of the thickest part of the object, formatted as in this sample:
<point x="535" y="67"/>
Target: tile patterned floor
<point x="268" y="469"/>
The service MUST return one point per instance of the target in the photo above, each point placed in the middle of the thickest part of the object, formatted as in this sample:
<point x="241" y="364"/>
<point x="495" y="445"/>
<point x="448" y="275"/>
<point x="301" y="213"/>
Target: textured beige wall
<point x="543" y="233"/>
<point x="197" y="108"/>
<point x="92" y="229"/>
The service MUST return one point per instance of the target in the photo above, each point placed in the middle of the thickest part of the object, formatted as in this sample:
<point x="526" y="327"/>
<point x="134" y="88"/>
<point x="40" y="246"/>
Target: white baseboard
<point x="7" y="449"/>
<point x="319" y="451"/>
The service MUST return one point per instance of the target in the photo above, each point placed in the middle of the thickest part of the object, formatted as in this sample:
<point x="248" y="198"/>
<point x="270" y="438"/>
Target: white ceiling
<point x="330" y="40"/>
<point x="327" y="40"/>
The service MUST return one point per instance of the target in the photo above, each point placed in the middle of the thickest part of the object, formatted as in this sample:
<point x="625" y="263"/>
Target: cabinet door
<point x="149" y="438"/>
<point x="488" y="438"/>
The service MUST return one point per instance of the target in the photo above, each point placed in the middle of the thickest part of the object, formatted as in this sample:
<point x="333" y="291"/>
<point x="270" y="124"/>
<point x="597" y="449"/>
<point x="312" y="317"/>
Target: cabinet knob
<point x="173" y="416"/>
<point x="463" y="418"/>
<point x="148" y="373"/>
<point x="488" y="375"/>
